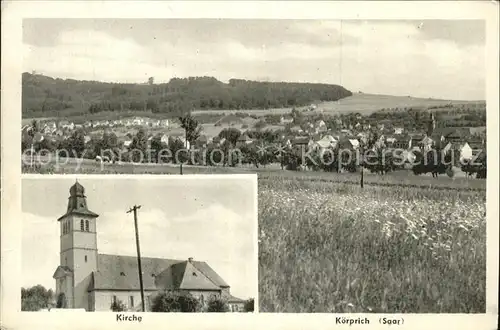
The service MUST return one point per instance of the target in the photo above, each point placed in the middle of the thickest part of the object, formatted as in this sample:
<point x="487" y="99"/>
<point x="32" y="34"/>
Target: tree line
<point x="42" y="95"/>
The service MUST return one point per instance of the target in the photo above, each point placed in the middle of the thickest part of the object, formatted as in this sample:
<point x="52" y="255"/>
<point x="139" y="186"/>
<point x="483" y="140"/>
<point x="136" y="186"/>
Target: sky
<point x="431" y="58"/>
<point x="210" y="220"/>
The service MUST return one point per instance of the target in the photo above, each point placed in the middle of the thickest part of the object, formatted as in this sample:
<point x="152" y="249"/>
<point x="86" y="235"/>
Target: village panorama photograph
<point x="142" y="245"/>
<point x="368" y="138"/>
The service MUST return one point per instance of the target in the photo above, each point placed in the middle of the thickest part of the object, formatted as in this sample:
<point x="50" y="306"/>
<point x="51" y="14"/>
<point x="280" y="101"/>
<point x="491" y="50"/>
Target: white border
<point x="12" y="14"/>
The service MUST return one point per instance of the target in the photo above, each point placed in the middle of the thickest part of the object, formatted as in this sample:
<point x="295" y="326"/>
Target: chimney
<point x="190" y="259"/>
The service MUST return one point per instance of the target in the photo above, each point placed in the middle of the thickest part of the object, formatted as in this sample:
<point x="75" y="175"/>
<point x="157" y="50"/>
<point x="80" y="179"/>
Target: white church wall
<point x="104" y="299"/>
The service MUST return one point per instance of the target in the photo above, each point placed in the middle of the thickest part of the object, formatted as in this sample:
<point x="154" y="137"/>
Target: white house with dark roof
<point x="86" y="279"/>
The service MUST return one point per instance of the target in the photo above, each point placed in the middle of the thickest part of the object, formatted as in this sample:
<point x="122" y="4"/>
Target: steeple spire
<point x="431" y="124"/>
<point x="77" y="201"/>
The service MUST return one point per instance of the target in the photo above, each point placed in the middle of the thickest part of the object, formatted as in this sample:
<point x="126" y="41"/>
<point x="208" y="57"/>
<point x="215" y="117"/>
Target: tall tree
<point x="139" y="145"/>
<point x="36" y="298"/>
<point x="191" y="127"/>
<point x="230" y="134"/>
<point x="192" y="130"/>
<point x="76" y="143"/>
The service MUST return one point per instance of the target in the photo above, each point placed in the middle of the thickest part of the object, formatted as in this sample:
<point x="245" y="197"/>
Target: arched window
<point x="202" y="299"/>
<point x="86" y="225"/>
<point x="85" y="258"/>
<point x="82" y="228"/>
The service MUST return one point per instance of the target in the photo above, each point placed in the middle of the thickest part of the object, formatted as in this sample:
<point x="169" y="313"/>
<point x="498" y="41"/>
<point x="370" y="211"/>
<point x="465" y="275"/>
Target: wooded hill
<point x="44" y="96"/>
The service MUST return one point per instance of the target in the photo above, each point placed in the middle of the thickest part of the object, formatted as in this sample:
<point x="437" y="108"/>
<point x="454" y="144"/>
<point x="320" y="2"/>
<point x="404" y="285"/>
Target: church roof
<point x="77" y="190"/>
<point x="184" y="276"/>
<point x="79" y="211"/>
<point x="61" y="271"/>
<point x="232" y="299"/>
<point x="121" y="273"/>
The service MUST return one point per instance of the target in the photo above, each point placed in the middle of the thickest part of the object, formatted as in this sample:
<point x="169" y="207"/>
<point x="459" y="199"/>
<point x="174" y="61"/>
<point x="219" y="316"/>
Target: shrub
<point x="170" y="301"/>
<point x="249" y="305"/>
<point x="217" y="305"/>
<point x="118" y="306"/>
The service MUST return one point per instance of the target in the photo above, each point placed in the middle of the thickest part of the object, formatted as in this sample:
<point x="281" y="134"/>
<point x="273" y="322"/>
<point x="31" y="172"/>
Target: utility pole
<point x="362" y="165"/>
<point x="185" y="146"/>
<point x="134" y="209"/>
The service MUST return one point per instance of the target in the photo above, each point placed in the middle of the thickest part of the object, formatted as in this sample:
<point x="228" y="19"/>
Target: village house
<point x="346" y="131"/>
<point x="164" y="139"/>
<point x="398" y="130"/>
<point x="286" y="141"/>
<point x="203" y="141"/>
<point x="320" y="126"/>
<point x="327" y="142"/>
<point x="183" y="140"/>
<point x="477" y="146"/>
<point x="285" y="121"/>
<point x="451" y="134"/>
<point x="415" y="140"/>
<point x="243" y="140"/>
<point x="92" y="281"/>
<point x="427" y="143"/>
<point x="296" y="129"/>
<point x="62" y="123"/>
<point x="138" y="121"/>
<point x="302" y="142"/>
<point x="348" y="143"/>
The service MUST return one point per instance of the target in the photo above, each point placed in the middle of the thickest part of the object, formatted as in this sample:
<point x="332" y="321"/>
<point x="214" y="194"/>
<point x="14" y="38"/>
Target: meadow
<point x="340" y="248"/>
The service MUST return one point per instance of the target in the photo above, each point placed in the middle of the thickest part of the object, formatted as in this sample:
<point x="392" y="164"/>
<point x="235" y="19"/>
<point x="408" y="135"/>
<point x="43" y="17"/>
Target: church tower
<point x="78" y="254"/>
<point x="431" y="125"/>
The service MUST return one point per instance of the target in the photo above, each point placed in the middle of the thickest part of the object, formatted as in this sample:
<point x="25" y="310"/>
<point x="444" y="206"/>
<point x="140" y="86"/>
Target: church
<point x="86" y="279"/>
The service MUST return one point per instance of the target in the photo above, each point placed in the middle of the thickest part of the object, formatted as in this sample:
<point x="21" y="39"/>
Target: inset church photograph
<point x="156" y="244"/>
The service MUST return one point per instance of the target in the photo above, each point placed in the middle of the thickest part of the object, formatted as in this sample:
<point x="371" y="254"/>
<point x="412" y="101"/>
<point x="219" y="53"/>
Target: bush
<point x="169" y="301"/>
<point x="217" y="305"/>
<point x="249" y="305"/>
<point x="118" y="306"/>
<point x="36" y="298"/>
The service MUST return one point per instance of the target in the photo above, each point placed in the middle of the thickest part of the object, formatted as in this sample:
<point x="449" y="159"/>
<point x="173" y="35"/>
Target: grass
<point x="368" y="103"/>
<point x="340" y="248"/>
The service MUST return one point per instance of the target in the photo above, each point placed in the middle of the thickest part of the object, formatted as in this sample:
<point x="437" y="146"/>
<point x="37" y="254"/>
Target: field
<point x="362" y="103"/>
<point x="340" y="248"/>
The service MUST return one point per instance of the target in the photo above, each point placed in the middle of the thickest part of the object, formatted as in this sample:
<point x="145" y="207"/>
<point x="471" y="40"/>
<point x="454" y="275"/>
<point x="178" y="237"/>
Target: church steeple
<point x="77" y="202"/>
<point x="431" y="124"/>
<point x="78" y="250"/>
